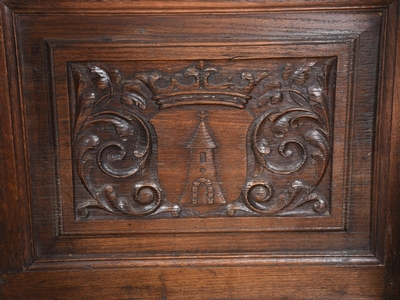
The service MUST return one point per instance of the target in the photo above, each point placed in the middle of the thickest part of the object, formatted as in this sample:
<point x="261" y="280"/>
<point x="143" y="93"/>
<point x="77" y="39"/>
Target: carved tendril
<point x="260" y="197"/>
<point x="147" y="199"/>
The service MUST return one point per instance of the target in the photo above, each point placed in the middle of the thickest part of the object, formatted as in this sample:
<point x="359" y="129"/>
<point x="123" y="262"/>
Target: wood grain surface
<point x="201" y="283"/>
<point x="199" y="149"/>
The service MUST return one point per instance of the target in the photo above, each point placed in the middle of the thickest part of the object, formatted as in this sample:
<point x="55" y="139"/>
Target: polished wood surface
<point x="202" y="149"/>
<point x="201" y="283"/>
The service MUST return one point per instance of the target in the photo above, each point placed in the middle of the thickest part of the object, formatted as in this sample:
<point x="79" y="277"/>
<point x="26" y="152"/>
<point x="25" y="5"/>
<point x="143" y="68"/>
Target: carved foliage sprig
<point x="130" y="92"/>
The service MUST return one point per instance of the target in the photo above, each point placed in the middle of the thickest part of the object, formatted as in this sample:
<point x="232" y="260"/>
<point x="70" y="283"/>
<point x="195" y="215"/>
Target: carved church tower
<point x="202" y="183"/>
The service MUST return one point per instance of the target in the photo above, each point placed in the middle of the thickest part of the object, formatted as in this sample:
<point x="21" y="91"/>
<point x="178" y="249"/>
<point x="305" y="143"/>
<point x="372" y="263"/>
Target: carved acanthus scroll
<point x="284" y="138"/>
<point x="114" y="146"/>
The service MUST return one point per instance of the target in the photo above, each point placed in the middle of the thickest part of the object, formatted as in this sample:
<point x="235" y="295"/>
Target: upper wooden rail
<point x="107" y="6"/>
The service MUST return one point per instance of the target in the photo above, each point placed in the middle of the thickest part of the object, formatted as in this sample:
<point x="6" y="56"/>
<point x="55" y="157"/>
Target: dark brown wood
<point x="392" y="245"/>
<point x="134" y="108"/>
<point x="236" y="59"/>
<point x="16" y="228"/>
<point x="142" y="6"/>
<point x="199" y="149"/>
<point x="309" y="282"/>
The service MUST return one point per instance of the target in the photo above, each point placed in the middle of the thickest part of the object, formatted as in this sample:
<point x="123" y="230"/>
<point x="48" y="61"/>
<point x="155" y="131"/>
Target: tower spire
<point x="202" y="138"/>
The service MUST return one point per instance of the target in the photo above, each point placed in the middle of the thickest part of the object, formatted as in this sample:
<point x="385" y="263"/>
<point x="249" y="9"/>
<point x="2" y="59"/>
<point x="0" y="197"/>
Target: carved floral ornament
<point x="288" y="144"/>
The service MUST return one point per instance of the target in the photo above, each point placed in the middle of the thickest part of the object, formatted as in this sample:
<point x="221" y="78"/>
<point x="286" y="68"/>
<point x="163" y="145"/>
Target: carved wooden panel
<point x="249" y="138"/>
<point x="147" y="146"/>
<point x="243" y="146"/>
<point x="254" y="137"/>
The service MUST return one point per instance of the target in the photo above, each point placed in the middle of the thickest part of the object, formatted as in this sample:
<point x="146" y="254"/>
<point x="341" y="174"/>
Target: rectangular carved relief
<point x="202" y="138"/>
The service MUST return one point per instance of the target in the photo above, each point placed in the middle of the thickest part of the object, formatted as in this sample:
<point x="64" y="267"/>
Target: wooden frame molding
<point x="87" y="85"/>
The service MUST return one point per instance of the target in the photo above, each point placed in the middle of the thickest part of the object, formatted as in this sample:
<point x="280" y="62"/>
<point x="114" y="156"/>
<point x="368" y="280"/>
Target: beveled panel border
<point x="19" y="252"/>
<point x="62" y="53"/>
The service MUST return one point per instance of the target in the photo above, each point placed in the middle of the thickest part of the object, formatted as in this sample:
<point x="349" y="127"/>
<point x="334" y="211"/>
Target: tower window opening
<point x="202" y="157"/>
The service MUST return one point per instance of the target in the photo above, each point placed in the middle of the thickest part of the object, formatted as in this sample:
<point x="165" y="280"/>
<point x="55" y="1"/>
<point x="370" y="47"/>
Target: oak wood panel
<point x="16" y="244"/>
<point x="384" y="127"/>
<point x="257" y="264"/>
<point x="184" y="6"/>
<point x="310" y="282"/>
<point x="392" y="242"/>
<point x="361" y="28"/>
<point x="59" y="55"/>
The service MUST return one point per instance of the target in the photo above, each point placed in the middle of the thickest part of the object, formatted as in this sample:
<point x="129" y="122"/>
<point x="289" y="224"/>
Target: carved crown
<point x="202" y="84"/>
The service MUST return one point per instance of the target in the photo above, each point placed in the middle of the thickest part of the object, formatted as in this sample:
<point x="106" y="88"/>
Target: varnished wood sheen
<point x="142" y="6"/>
<point x="309" y="282"/>
<point x="16" y="222"/>
<point x="199" y="149"/>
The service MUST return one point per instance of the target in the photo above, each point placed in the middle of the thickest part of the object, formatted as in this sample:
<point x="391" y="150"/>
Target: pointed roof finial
<point x="203" y="115"/>
<point x="202" y="138"/>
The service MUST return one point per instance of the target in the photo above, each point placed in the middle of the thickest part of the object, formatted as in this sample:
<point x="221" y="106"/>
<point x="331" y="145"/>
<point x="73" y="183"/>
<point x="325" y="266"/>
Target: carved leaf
<point x="115" y="76"/>
<point x="276" y="98"/>
<point x="290" y="118"/>
<point x="287" y="71"/>
<point x="260" y="76"/>
<point x="132" y="95"/>
<point x="272" y="94"/>
<point x="299" y="98"/>
<point x="124" y="131"/>
<point x="316" y="95"/>
<point x="88" y="100"/>
<point x="302" y="118"/>
<point x="85" y="163"/>
<point x="86" y="143"/>
<point x="320" y="157"/>
<point x="319" y="104"/>
<point x="262" y="146"/>
<point x="300" y="75"/>
<point x="297" y="194"/>
<point x="122" y="127"/>
<point x="103" y="80"/>
<point x="84" y="99"/>
<point x="80" y="85"/>
<point x="112" y="154"/>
